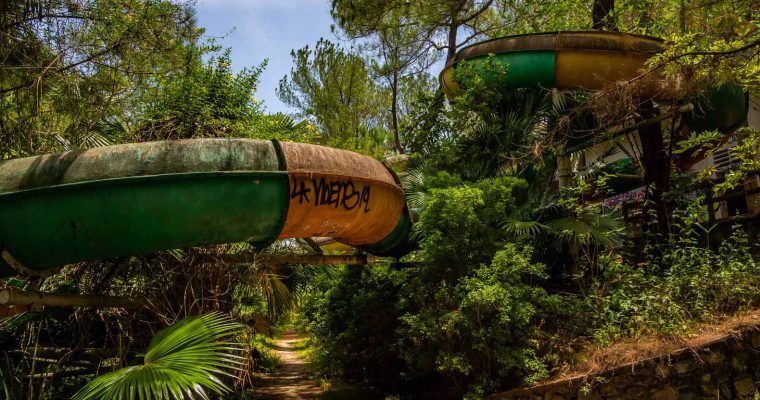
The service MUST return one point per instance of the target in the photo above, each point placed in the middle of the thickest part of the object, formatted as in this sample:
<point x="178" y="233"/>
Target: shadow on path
<point x="291" y="381"/>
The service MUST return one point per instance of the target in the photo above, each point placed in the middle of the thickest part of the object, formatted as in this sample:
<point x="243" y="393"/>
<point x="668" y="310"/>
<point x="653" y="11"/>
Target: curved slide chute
<point x="137" y="198"/>
<point x="588" y="60"/>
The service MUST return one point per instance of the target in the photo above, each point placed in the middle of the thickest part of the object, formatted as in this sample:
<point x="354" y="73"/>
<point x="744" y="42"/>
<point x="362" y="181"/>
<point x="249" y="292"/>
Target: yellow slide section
<point x="352" y="198"/>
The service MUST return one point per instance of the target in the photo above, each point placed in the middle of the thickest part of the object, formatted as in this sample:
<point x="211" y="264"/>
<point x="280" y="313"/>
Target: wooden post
<point x="563" y="167"/>
<point x="709" y="201"/>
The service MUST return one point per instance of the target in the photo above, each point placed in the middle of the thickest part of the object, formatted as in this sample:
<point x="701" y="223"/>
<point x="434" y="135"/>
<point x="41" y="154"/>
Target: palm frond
<point x="269" y="281"/>
<point x="93" y="139"/>
<point x="520" y="228"/>
<point x="415" y="188"/>
<point x="183" y="361"/>
<point x="588" y="227"/>
<point x="64" y="143"/>
<point x="595" y="166"/>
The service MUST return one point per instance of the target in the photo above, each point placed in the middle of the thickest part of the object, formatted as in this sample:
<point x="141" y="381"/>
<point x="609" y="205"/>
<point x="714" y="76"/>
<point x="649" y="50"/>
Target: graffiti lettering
<point x="299" y="190"/>
<point x="635" y="195"/>
<point x="337" y="193"/>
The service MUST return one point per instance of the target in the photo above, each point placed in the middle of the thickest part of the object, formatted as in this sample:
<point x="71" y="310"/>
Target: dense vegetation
<point x="512" y="275"/>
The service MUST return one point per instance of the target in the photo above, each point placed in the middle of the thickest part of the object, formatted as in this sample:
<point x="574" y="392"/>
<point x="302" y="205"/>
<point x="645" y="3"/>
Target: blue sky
<point x="260" y="29"/>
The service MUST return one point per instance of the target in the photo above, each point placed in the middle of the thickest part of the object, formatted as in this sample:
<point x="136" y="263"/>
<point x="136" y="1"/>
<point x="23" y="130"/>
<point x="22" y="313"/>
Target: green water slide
<point x="136" y="198"/>
<point x="130" y="199"/>
<point x="588" y="60"/>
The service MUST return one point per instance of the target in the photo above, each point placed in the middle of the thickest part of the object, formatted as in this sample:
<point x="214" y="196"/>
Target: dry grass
<point x="595" y="359"/>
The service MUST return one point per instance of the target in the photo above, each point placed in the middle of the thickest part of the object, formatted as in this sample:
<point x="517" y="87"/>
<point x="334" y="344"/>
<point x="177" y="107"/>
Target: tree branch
<point x="62" y="69"/>
<point x="482" y="9"/>
<point x="659" y="65"/>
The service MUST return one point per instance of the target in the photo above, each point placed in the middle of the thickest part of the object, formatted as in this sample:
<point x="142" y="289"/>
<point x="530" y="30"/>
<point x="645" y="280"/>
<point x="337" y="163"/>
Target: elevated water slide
<point x="137" y="198"/>
<point x="588" y="60"/>
<point x="592" y="60"/>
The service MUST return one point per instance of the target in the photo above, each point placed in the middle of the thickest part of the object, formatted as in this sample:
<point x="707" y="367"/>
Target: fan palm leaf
<point x="588" y="227"/>
<point x="416" y="188"/>
<point x="183" y="361"/>
<point x="522" y="228"/>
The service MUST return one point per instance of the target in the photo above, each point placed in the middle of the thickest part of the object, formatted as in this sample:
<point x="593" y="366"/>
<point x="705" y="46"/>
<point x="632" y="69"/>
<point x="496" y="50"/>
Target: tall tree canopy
<point x="333" y="87"/>
<point x="438" y="23"/>
<point x="66" y="67"/>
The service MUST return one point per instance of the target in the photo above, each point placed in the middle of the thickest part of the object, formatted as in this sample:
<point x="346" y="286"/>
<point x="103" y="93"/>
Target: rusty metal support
<point x="15" y="297"/>
<point x="290" y="259"/>
<point x="620" y="130"/>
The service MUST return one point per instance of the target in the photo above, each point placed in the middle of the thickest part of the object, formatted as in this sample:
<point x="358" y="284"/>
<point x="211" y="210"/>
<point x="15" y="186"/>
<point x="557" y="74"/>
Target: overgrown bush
<point x="352" y="316"/>
<point x="478" y="313"/>
<point x="485" y="329"/>
<point x="698" y="284"/>
<point x="468" y="319"/>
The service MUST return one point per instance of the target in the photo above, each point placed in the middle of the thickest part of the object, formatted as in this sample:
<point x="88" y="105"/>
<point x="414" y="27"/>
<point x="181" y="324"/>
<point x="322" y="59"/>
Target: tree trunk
<point x="656" y="172"/>
<point x="600" y="14"/>
<point x="564" y="175"/>
<point x="451" y="43"/>
<point x="394" y="112"/>
<point x="15" y="297"/>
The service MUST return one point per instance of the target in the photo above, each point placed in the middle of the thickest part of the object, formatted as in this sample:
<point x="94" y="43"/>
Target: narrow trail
<point x="291" y="381"/>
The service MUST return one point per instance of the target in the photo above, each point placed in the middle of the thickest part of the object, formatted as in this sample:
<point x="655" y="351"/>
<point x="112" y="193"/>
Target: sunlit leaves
<point x="331" y="87"/>
<point x="185" y="360"/>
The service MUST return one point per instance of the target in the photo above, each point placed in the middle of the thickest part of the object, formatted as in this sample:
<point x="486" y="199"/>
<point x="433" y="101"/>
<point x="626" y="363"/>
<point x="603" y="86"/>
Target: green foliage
<point x="459" y="225"/>
<point x="426" y="20"/>
<point x="725" y="52"/>
<point x="70" y="67"/>
<point x="477" y="314"/>
<point x="261" y="346"/>
<point x="332" y="87"/>
<point x="417" y="186"/>
<point x="465" y="317"/>
<point x="351" y="314"/>
<point x="204" y="100"/>
<point x="282" y="127"/>
<point x="745" y="155"/>
<point x="490" y="130"/>
<point x="480" y="310"/>
<point x="183" y="359"/>
<point x="698" y="285"/>
<point x="482" y="332"/>
<point x="584" y="222"/>
<point x="83" y="73"/>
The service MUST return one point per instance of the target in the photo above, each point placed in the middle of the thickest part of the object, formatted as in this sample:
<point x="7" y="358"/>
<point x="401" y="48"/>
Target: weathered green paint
<point x="587" y="60"/>
<point x="524" y="69"/>
<point x="132" y="199"/>
<point x="138" y="159"/>
<point x="397" y="243"/>
<point x="56" y="225"/>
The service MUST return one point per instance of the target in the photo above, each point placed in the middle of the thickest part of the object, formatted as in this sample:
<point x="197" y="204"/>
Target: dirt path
<point x="291" y="381"/>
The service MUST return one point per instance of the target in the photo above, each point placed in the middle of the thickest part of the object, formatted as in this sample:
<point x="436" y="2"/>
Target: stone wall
<point x="725" y="368"/>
